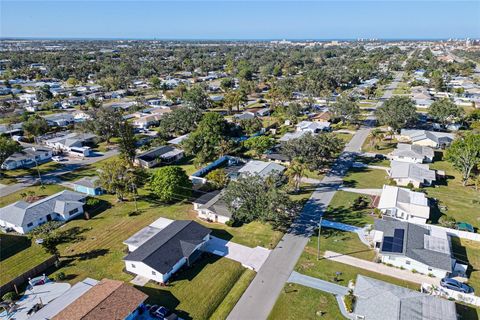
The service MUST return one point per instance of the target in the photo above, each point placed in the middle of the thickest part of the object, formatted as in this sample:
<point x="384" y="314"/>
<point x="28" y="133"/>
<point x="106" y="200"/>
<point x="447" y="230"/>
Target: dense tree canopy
<point x="171" y="184"/>
<point x="444" y="111"/>
<point x="397" y="112"/>
<point x="464" y="154"/>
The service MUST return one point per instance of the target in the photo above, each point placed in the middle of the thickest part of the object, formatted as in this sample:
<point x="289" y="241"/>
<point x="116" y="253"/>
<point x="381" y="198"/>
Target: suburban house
<point x="244" y="116"/>
<point x="413" y="247"/>
<point x="159" y="155"/>
<point x="212" y="207"/>
<point x="22" y="216"/>
<point x="379" y="300"/>
<point x="148" y="120"/>
<point x="416" y="174"/>
<point x="313" y="127"/>
<point x="323" y="116"/>
<point x="261" y="168"/>
<point x="59" y="119"/>
<point x="178" y="140"/>
<point x="92" y="299"/>
<point x="164" y="253"/>
<point x="426" y="138"/>
<point x="404" y="204"/>
<point x="72" y="143"/>
<point x="88" y="185"/>
<point x="28" y="157"/>
<point x="292" y="135"/>
<point x="412" y="153"/>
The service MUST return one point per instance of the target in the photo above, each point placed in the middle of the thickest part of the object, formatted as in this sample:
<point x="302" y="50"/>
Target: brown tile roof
<point x="109" y="299"/>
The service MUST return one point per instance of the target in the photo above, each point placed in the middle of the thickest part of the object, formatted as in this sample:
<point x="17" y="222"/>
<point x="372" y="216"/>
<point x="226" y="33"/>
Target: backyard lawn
<point x="462" y="203"/>
<point x="361" y="178"/>
<point x="196" y="293"/>
<point x="402" y="88"/>
<point x="300" y="302"/>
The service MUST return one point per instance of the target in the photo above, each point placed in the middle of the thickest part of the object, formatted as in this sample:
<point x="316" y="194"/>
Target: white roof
<point x="412" y="202"/>
<point x="261" y="168"/>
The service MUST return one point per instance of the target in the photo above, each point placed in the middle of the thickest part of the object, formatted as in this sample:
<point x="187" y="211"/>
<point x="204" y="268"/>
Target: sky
<point x="248" y="19"/>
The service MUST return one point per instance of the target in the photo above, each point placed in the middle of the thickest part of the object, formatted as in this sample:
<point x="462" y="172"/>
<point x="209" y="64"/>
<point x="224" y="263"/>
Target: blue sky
<point x="240" y="19"/>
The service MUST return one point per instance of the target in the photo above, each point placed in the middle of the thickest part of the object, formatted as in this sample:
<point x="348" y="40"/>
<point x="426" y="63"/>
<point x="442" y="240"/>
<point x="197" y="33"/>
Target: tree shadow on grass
<point x="12" y="244"/>
<point x="466" y="312"/>
<point x="346" y="215"/>
<point x="221" y="233"/>
<point x="164" y="298"/>
<point x="190" y="272"/>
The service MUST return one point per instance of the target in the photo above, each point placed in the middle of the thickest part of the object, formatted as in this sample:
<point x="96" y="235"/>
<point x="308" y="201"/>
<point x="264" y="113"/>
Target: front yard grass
<point x="300" y="302"/>
<point x="468" y="252"/>
<point x="47" y="190"/>
<point x="9" y="176"/>
<point x="402" y="88"/>
<point x="382" y="147"/>
<point x="365" y="178"/>
<point x="340" y="209"/>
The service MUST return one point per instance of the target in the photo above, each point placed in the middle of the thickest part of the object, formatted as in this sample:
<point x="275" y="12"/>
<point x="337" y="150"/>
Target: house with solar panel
<point x="414" y="247"/>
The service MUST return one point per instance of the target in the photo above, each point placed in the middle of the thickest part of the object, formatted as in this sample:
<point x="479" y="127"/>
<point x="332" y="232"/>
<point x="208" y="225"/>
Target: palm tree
<point x="295" y="173"/>
<point x="377" y="135"/>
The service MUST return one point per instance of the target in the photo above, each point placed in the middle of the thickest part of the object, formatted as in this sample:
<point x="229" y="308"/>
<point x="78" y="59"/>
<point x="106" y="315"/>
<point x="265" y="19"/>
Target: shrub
<point x="410" y="185"/>
<point x="349" y="300"/>
<point x="446" y="221"/>
<point x="229" y="223"/>
<point x="377" y="212"/>
<point x="92" y="202"/>
<point x="59" y="276"/>
<point x="360" y="203"/>
<point x="10" y="296"/>
<point x="414" y="271"/>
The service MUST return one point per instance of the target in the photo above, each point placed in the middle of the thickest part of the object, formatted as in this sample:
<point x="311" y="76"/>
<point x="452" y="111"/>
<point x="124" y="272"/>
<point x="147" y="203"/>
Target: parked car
<point x="463" y="226"/>
<point x="455" y="285"/>
<point x="57" y="159"/>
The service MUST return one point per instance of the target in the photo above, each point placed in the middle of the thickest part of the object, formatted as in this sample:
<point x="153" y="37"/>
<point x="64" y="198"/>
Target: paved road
<point x="53" y="176"/>
<point x="262" y="293"/>
<point x="381" y="268"/>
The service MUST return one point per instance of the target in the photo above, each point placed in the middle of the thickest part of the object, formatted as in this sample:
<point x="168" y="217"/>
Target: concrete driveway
<point x="252" y="258"/>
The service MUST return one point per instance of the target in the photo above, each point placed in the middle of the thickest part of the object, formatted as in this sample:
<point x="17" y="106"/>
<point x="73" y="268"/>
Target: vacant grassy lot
<point x="340" y="209"/>
<point x="196" y="293"/>
<point x="402" y="88"/>
<point x="299" y="302"/>
<point x="361" y="178"/>
<point x="382" y="147"/>
<point x="462" y="203"/>
<point x="47" y="190"/>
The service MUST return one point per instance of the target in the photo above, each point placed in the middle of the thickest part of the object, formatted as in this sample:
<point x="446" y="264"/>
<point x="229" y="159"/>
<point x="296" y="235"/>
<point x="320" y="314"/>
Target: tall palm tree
<point x="294" y="173"/>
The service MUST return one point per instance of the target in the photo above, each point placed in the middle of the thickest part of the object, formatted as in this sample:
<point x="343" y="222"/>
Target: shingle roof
<point x="261" y="168"/>
<point x="166" y="248"/>
<point x="379" y="300"/>
<point x="414" y="171"/>
<point x="89" y="182"/>
<point x="218" y="206"/>
<point x="21" y="213"/>
<point x="109" y="299"/>
<point x="206" y="197"/>
<point x="419" y="244"/>
<point x="413" y="151"/>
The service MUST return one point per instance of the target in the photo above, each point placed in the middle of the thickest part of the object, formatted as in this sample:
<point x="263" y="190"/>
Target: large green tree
<point x="444" y="111"/>
<point x="7" y="148"/>
<point x="259" y="144"/>
<point x="180" y="121"/>
<point x="171" y="184"/>
<point x="397" y="112"/>
<point x="35" y="126"/>
<point x="197" y="97"/>
<point x="346" y="110"/>
<point x="126" y="144"/>
<point x="464" y="154"/>
<point x="117" y="177"/>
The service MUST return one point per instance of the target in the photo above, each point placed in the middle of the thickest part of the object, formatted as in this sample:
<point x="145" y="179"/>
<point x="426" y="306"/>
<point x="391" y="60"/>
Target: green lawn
<point x="9" y="176"/>
<point x="402" y="88"/>
<point x="340" y="209"/>
<point x="463" y="203"/>
<point x="361" y="178"/>
<point x="341" y="242"/>
<point x="197" y="292"/>
<point x="299" y="302"/>
<point x="47" y="190"/>
<point x="382" y="147"/>
<point x="468" y="252"/>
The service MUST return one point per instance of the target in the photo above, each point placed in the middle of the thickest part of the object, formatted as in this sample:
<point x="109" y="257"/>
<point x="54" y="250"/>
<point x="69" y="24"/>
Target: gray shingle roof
<point x="379" y="300"/>
<point x="413" y="151"/>
<point x="176" y="241"/>
<point x="21" y="213"/>
<point x="415" y="244"/>
<point x="414" y="171"/>
<point x="218" y="206"/>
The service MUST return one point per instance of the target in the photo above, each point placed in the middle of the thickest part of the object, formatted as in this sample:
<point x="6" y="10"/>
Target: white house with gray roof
<point x="28" y="157"/>
<point x="412" y="153"/>
<point x="413" y="247"/>
<point x="212" y="207"/>
<point x="261" y="168"/>
<point x="426" y="138"/>
<point x="416" y="174"/>
<point x="379" y="300"/>
<point x="72" y="143"/>
<point x="22" y="216"/>
<point x="404" y="204"/>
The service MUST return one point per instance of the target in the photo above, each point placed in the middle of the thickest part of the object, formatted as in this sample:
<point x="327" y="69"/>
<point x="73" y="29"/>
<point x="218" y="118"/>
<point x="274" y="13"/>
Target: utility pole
<point x="38" y="170"/>
<point x="318" y="240"/>
<point x="134" y="189"/>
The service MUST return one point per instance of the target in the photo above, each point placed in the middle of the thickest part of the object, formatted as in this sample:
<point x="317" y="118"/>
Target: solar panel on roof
<point x="387" y="244"/>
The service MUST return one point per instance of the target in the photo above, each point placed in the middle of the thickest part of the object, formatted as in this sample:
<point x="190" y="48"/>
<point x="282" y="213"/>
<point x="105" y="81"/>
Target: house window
<point x="407" y="262"/>
<point x="133" y="266"/>
<point x="154" y="273"/>
<point x="30" y="224"/>
<point x="73" y="211"/>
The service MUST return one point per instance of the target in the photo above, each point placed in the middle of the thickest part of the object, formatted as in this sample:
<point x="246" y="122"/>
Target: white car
<point x="57" y="159"/>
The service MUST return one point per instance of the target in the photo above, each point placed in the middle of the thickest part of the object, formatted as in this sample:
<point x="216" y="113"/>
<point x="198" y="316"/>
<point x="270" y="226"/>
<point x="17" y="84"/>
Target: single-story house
<point x="148" y="120"/>
<point x="59" y="119"/>
<point x="426" y="138"/>
<point x="379" y="300"/>
<point x="142" y="236"/>
<point x="244" y="116"/>
<point x="292" y="135"/>
<point x="413" y="247"/>
<point x="159" y="155"/>
<point x="313" y="127"/>
<point x="107" y="299"/>
<point x="412" y="153"/>
<point x="404" y="204"/>
<point x="22" y="216"/>
<point x="417" y="174"/>
<point x="72" y="143"/>
<point x="88" y="185"/>
<point x="28" y="157"/>
<point x="178" y="140"/>
<point x="212" y="207"/>
<point x="323" y="116"/>
<point x="261" y="168"/>
<point x="423" y="103"/>
<point x="162" y="255"/>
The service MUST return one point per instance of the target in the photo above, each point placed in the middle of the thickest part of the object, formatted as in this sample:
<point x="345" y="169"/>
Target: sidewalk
<point x="381" y="268"/>
<point x="371" y="192"/>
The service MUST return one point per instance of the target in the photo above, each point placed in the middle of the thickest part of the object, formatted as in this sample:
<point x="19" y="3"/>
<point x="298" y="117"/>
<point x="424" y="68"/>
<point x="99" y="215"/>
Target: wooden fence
<point x="23" y="278"/>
